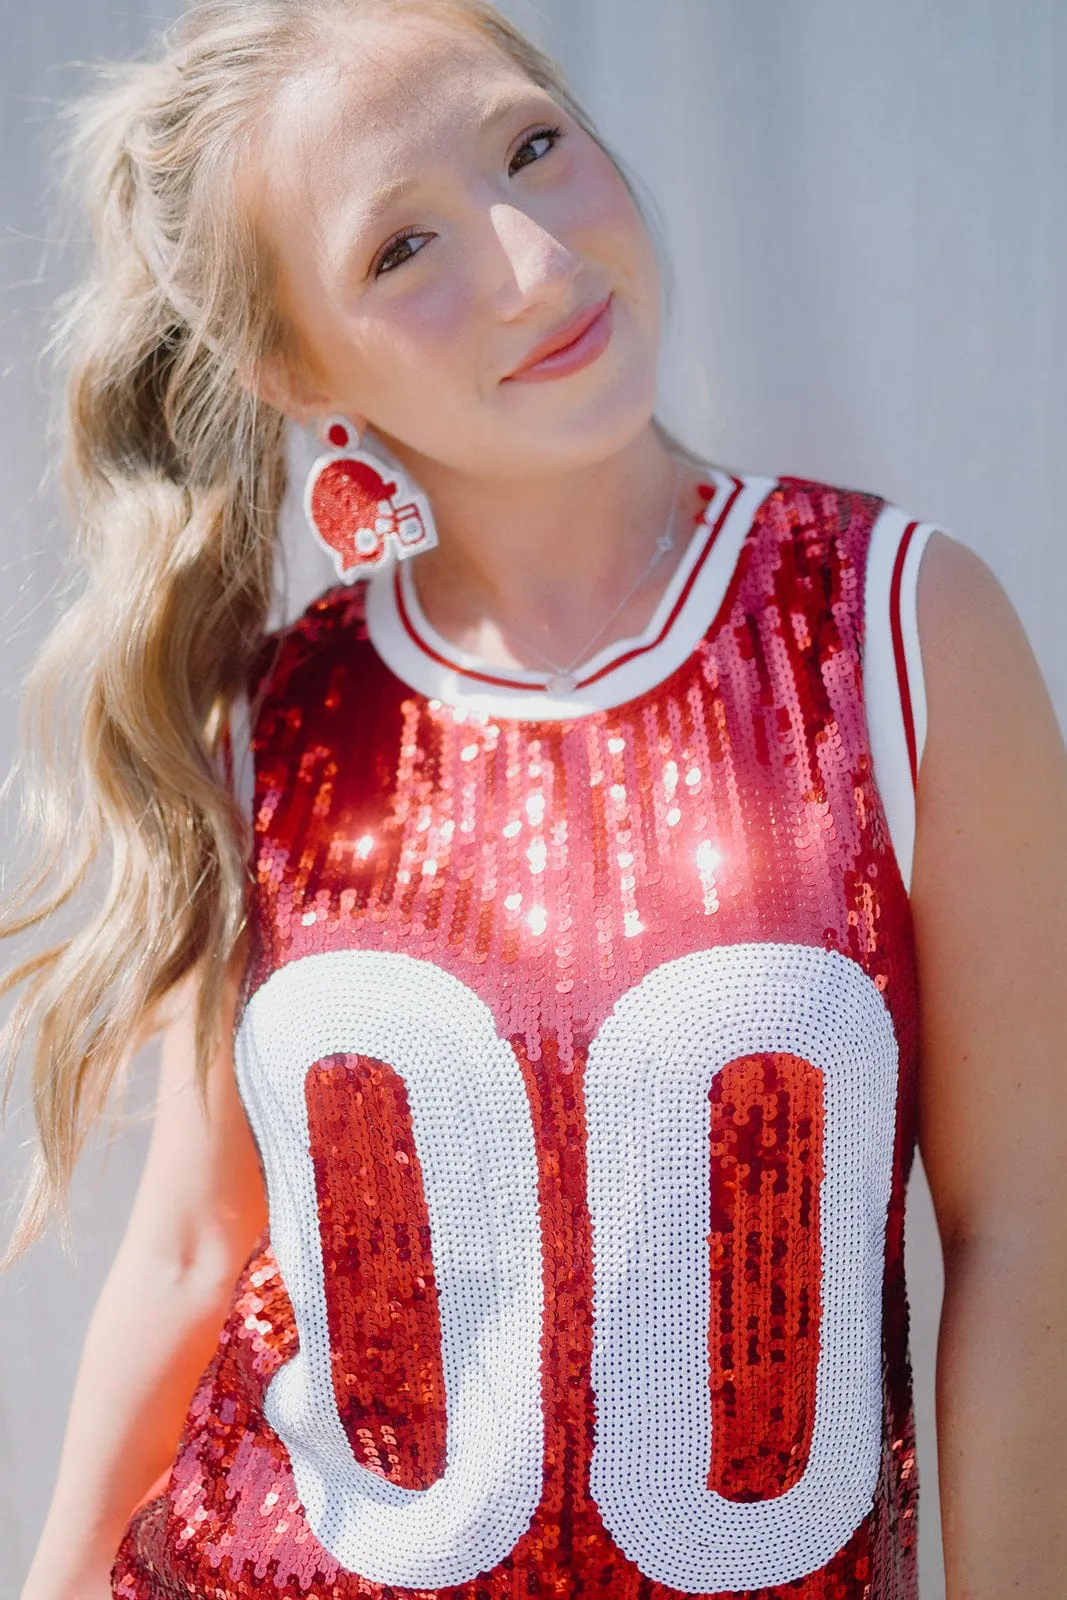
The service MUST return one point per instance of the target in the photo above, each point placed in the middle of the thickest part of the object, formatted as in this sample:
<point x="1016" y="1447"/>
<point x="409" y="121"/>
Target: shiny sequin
<point x="551" y="867"/>
<point x="381" y="1298"/>
<point x="767" y="1171"/>
<point x="354" y="511"/>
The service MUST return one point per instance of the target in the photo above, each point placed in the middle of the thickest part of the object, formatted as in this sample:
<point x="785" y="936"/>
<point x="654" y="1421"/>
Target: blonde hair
<point x="177" y="473"/>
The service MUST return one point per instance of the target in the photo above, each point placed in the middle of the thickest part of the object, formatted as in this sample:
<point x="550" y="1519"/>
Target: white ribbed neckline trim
<point x="420" y="657"/>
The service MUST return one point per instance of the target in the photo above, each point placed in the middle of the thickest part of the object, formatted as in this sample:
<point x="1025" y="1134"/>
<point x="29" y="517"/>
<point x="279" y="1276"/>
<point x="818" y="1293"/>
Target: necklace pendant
<point x="562" y="683"/>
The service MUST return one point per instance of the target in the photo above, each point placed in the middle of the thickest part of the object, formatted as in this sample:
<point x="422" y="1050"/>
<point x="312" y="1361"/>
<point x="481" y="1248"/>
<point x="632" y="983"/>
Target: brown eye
<point x="389" y="254"/>
<point x="550" y="135"/>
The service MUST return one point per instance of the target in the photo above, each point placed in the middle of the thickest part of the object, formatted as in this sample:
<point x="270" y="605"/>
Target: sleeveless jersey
<point x="578" y="1039"/>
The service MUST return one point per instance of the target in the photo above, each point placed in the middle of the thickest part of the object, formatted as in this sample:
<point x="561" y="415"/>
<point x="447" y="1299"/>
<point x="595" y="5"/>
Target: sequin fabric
<point x="767" y="1170"/>
<point x="669" y="931"/>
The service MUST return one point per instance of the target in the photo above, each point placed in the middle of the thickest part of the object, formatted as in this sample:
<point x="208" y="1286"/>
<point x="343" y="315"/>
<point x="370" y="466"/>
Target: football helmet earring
<point x="364" y="511"/>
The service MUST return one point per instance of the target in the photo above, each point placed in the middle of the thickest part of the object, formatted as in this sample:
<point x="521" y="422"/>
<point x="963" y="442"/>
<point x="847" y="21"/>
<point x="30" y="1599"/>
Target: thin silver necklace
<point x="564" y="678"/>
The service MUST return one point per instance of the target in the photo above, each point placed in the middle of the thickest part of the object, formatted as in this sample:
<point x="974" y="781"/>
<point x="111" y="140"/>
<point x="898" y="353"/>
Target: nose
<point x="539" y="269"/>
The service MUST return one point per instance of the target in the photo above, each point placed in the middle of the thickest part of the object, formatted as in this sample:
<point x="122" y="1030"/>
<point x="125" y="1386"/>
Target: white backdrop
<point x="864" y="206"/>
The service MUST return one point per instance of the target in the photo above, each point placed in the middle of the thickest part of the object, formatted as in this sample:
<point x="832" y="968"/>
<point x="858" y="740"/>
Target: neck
<point x="539" y="562"/>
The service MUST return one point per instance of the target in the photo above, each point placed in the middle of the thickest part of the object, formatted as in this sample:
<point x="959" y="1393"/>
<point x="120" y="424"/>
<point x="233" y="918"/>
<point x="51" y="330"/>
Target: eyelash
<point x="555" y="134"/>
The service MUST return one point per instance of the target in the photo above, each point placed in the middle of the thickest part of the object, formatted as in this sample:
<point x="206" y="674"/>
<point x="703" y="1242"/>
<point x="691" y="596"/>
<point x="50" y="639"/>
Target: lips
<point x="568" y="334"/>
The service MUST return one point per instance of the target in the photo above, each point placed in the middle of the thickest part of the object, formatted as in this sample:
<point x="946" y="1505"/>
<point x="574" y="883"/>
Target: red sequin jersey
<point x="578" y="1041"/>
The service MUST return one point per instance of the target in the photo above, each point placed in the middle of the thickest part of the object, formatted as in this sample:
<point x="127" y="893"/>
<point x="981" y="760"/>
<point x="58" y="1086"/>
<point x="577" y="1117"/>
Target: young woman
<point x="545" y="917"/>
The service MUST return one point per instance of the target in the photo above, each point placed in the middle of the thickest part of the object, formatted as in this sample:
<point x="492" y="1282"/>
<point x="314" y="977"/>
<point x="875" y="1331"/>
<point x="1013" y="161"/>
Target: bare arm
<point x="198" y="1212"/>
<point x="990" y="901"/>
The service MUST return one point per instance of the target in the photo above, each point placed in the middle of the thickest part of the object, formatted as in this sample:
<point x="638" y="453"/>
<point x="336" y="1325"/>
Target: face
<point x="435" y="217"/>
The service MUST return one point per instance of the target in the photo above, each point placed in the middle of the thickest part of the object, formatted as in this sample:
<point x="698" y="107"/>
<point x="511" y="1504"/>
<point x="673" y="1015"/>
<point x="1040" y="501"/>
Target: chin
<point x="585" y="415"/>
<point x="608" y="420"/>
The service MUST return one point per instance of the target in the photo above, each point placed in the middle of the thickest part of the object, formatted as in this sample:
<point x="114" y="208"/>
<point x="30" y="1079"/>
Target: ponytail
<point x="176" y="472"/>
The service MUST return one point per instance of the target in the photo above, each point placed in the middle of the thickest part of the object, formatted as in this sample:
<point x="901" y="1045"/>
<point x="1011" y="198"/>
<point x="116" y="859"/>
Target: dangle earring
<point x="364" y="511"/>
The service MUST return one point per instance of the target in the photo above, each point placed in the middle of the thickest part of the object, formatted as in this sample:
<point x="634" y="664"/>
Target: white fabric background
<point x="864" y="206"/>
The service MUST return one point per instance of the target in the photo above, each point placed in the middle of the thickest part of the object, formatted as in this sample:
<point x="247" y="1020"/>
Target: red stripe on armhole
<point x="898" y="651"/>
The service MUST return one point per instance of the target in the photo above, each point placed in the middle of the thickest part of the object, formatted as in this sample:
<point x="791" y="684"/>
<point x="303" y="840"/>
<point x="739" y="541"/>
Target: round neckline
<point x="412" y="648"/>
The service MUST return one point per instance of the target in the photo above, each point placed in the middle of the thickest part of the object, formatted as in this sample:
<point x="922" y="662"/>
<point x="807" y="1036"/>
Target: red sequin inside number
<point x="767" y="1132"/>
<point x="381" y="1295"/>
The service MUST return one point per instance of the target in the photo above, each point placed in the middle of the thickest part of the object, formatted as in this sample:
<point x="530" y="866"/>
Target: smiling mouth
<point x="576" y="345"/>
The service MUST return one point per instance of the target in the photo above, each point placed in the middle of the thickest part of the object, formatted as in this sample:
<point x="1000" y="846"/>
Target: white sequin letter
<point x="475" y="1140"/>
<point x="647" y="1082"/>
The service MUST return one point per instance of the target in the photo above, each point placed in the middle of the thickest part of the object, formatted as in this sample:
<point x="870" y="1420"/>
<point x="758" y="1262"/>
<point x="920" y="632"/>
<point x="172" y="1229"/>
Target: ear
<point x="288" y="387"/>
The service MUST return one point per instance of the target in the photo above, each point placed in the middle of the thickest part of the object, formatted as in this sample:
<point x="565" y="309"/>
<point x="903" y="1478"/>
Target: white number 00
<point x="646" y="1088"/>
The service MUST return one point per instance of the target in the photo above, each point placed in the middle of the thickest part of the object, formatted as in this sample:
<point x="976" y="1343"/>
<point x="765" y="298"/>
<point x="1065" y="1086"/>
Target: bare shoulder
<point x="974" y="646"/>
<point x="994" y="772"/>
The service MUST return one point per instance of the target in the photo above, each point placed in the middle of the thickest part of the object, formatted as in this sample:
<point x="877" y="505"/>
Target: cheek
<point x="430" y="322"/>
<point x="420" y="340"/>
<point x="607" y="227"/>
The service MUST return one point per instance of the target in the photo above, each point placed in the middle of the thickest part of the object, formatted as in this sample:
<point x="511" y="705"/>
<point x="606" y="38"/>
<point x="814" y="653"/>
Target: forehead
<point x="395" y="92"/>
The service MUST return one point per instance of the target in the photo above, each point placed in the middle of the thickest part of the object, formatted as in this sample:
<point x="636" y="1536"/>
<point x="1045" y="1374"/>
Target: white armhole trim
<point x="893" y="684"/>
<point x="242" y="775"/>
